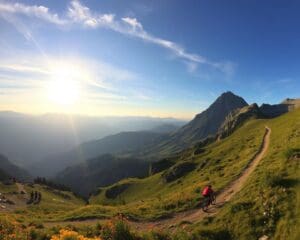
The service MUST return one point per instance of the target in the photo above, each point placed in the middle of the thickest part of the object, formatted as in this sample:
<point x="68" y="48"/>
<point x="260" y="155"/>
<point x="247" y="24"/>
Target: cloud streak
<point x="31" y="11"/>
<point x="77" y="13"/>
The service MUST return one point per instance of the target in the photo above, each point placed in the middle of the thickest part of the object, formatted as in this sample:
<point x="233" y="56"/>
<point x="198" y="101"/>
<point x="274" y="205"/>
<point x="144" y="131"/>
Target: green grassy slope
<point x="4" y="188"/>
<point x="53" y="205"/>
<point x="220" y="163"/>
<point x="269" y="202"/>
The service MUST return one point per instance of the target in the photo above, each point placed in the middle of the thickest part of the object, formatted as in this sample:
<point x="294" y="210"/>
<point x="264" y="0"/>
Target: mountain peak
<point x="229" y="95"/>
<point x="209" y="121"/>
<point x="226" y="94"/>
<point x="228" y="100"/>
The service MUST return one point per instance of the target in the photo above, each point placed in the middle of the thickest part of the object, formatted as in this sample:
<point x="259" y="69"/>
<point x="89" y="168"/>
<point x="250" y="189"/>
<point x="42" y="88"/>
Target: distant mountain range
<point x="104" y="170"/>
<point x="124" y="144"/>
<point x="226" y="114"/>
<point x="94" y="163"/>
<point x="149" y="145"/>
<point x="10" y="170"/>
<point x="27" y="139"/>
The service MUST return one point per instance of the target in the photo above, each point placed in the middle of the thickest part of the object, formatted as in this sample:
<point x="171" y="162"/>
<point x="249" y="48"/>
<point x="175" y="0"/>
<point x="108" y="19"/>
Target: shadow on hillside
<point x="287" y="182"/>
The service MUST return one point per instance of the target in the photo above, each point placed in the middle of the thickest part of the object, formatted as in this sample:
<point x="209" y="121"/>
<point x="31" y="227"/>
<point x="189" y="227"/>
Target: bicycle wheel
<point x="214" y="199"/>
<point x="205" y="204"/>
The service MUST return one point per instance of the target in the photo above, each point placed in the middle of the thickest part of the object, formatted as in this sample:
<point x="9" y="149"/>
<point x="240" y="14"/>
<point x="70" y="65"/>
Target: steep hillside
<point x="118" y="144"/>
<point x="52" y="204"/>
<point x="237" y="117"/>
<point x="165" y="128"/>
<point x="206" y="123"/>
<point x="217" y="163"/>
<point x="4" y="176"/>
<point x="266" y="205"/>
<point x="9" y="169"/>
<point x="104" y="170"/>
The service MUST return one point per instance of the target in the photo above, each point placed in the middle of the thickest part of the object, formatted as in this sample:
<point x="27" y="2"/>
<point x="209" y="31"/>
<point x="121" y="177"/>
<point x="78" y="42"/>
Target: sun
<point x="63" y="88"/>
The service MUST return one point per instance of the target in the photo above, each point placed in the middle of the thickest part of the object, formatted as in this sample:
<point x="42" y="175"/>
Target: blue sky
<point x="155" y="58"/>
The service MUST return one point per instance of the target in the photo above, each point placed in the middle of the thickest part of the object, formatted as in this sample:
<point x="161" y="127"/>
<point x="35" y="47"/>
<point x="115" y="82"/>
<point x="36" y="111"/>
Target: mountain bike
<point x="207" y="202"/>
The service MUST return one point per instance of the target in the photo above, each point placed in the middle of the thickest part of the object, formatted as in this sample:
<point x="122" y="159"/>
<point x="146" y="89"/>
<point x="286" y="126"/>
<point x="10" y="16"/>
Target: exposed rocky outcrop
<point x="236" y="118"/>
<point x="271" y="111"/>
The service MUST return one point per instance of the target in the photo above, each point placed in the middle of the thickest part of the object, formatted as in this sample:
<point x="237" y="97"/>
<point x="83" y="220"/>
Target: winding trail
<point x="195" y="215"/>
<point x="224" y="196"/>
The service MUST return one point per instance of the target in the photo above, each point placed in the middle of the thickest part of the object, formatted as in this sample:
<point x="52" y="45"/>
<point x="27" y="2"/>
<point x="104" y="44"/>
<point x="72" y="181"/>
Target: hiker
<point x="35" y="195"/>
<point x="39" y="197"/>
<point x="208" y="193"/>
<point x="31" y="196"/>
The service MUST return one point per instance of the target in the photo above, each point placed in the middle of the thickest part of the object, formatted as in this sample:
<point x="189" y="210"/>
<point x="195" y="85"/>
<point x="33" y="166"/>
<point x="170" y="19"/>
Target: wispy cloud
<point x="77" y="13"/>
<point x="31" y="11"/>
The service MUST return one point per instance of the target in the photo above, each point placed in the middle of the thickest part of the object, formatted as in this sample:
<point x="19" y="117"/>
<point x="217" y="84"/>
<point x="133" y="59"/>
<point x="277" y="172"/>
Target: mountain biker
<point x="208" y="193"/>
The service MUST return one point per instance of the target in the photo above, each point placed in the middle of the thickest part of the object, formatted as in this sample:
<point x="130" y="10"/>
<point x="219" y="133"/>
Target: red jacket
<point x="207" y="191"/>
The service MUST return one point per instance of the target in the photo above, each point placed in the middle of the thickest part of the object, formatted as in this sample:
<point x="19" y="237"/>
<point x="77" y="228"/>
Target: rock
<point x="236" y="118"/>
<point x="272" y="111"/>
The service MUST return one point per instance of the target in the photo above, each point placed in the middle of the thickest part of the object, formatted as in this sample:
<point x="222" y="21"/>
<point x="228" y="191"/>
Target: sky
<point x="166" y="58"/>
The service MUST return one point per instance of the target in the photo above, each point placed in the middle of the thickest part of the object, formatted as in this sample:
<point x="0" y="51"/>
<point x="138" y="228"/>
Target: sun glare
<point x="64" y="86"/>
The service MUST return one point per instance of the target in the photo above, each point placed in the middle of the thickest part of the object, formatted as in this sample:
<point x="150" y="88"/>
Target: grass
<point x="219" y="164"/>
<point x="8" y="188"/>
<point x="53" y="205"/>
<point x="268" y="204"/>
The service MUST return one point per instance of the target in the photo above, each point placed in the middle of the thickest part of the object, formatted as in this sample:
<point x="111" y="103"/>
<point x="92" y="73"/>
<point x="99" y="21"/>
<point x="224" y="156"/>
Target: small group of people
<point x="35" y="197"/>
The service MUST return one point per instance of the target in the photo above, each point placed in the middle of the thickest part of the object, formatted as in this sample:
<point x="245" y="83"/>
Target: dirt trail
<point x="21" y="188"/>
<point x="195" y="215"/>
<point x="224" y="196"/>
<point x="17" y="200"/>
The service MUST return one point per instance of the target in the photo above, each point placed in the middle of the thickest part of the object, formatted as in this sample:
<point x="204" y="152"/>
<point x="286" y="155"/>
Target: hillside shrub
<point x="273" y="180"/>
<point x="160" y="166"/>
<point x="292" y="153"/>
<point x="51" y="184"/>
<point x="159" y="236"/>
<point x="178" y="170"/>
<point x="116" y="190"/>
<point x="199" y="151"/>
<point x="215" y="235"/>
<point x="241" y="206"/>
